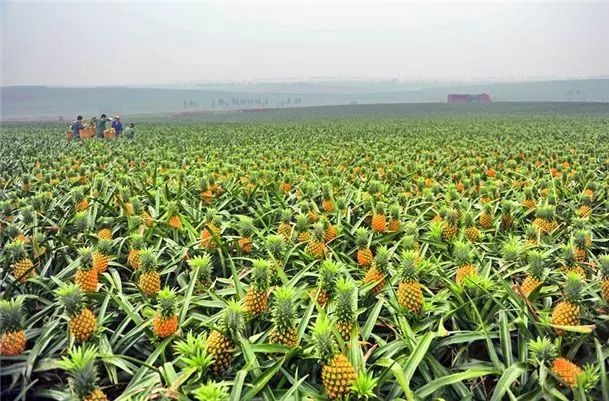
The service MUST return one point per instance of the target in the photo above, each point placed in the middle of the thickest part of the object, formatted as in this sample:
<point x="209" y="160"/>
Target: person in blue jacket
<point x="76" y="127"/>
<point x="117" y="125"/>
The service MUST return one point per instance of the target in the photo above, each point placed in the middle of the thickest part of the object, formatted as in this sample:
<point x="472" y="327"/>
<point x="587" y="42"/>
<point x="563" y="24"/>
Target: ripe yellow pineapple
<point x="326" y="282"/>
<point x="327" y="203"/>
<point x="471" y="231"/>
<point x="529" y="201"/>
<point x="379" y="270"/>
<point x="566" y="370"/>
<point x="379" y="219"/>
<point x="450" y="224"/>
<point x="364" y="254"/>
<point x="337" y="374"/>
<point x="345" y="307"/>
<point x="165" y="321"/>
<point x="285" y="228"/>
<point x="316" y="246"/>
<point x="133" y="258"/>
<point x="221" y="343"/>
<point x="567" y="311"/>
<point x="583" y="242"/>
<point x="394" y="218"/>
<point x="86" y="274"/>
<point x="462" y="255"/>
<point x="246" y="229"/>
<point x="283" y="314"/>
<point x="101" y="256"/>
<point x="486" y="218"/>
<point x="507" y="219"/>
<point x="12" y="333"/>
<point x="23" y="267"/>
<point x="535" y="275"/>
<point x="210" y="236"/>
<point x="82" y="320"/>
<point x="545" y="219"/>
<point x="545" y="353"/>
<point x="604" y="269"/>
<point x="203" y="265"/>
<point x="150" y="280"/>
<point x="302" y="228"/>
<point x="257" y="297"/>
<point x="410" y="295"/>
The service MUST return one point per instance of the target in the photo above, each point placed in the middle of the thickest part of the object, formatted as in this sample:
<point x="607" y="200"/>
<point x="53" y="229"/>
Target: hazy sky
<point x="108" y="43"/>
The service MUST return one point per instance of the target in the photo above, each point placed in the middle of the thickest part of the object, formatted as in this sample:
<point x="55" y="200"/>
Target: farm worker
<point x="76" y="127"/>
<point x="100" y="125"/>
<point x="130" y="131"/>
<point x="117" y="125"/>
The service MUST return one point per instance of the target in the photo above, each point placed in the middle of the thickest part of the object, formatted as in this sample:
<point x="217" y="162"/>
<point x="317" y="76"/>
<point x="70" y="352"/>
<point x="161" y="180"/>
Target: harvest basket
<point x="110" y="133"/>
<point x="87" y="133"/>
<point x="69" y="135"/>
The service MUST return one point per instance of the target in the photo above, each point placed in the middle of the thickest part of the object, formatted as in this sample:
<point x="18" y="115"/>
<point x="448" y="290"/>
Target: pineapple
<point x="529" y="201"/>
<point x="257" y="296"/>
<point x="12" y="333"/>
<point x="566" y="371"/>
<point x="604" y="269"/>
<point x="569" y="261"/>
<point x="174" y="220"/>
<point x="86" y="276"/>
<point x="394" y="218"/>
<point x="327" y="203"/>
<point x="567" y="311"/>
<point x="507" y="219"/>
<point x="379" y="270"/>
<point x="285" y="228"/>
<point x="316" y="246"/>
<point x="210" y="235"/>
<point x="275" y="246"/>
<point x="22" y="267"/>
<point x="133" y="258"/>
<point x="150" y="279"/>
<point x="379" y="219"/>
<point x="471" y="231"/>
<point x="246" y="229"/>
<point x="221" y="342"/>
<point x="345" y="307"/>
<point x="105" y="232"/>
<point x="83" y="379"/>
<point x="203" y="264"/>
<point x="486" y="218"/>
<point x="532" y="233"/>
<point x="337" y="374"/>
<point x="165" y="321"/>
<point x="449" y="224"/>
<point x="364" y="254"/>
<point x="82" y="320"/>
<point x="326" y="282"/>
<point x="283" y="315"/>
<point x="462" y="255"/>
<point x="544" y="352"/>
<point x="583" y="242"/>
<point x="545" y="219"/>
<point x="101" y="256"/>
<point x="410" y="295"/>
<point x="330" y="230"/>
<point x="536" y="269"/>
<point x="302" y="228"/>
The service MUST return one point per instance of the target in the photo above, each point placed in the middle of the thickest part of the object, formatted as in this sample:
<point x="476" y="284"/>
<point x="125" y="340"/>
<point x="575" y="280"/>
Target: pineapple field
<point x="422" y="258"/>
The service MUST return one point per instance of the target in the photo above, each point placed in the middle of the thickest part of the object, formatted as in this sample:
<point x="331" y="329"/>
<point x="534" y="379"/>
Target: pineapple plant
<point x="285" y="228"/>
<point x="529" y="199"/>
<point x="471" y="231"/>
<point x="364" y="254"/>
<point x="545" y="219"/>
<point x="203" y="265"/>
<point x="256" y="298"/>
<point x="221" y="343"/>
<point x="316" y="246"/>
<point x="12" y="328"/>
<point x="345" y="307"/>
<point x="569" y="262"/>
<point x="487" y="219"/>
<point x="330" y="230"/>
<point x="583" y="242"/>
<point x="246" y="229"/>
<point x="22" y="266"/>
<point x="337" y="374"/>
<point x="379" y="218"/>
<point x="327" y="202"/>
<point x="536" y="271"/>
<point x="450" y="223"/>
<point x="410" y="295"/>
<point x="150" y="279"/>
<point x="212" y="391"/>
<point x="173" y="216"/>
<point x="283" y="316"/>
<point x="86" y="275"/>
<point x="210" y="235"/>
<point x="82" y="322"/>
<point x="462" y="255"/>
<point x="379" y="270"/>
<point x="165" y="321"/>
<point x="302" y="228"/>
<point x="507" y="218"/>
<point x="567" y="311"/>
<point x="82" y="372"/>
<point x="275" y="246"/>
<point x="604" y="270"/>
<point x="394" y="218"/>
<point x="101" y="255"/>
<point x="133" y="258"/>
<point x="326" y="282"/>
<point x="105" y="233"/>
<point x="545" y="353"/>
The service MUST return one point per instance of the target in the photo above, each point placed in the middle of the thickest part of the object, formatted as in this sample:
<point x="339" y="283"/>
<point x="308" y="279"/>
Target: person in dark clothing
<point x="76" y="127"/>
<point x="117" y="125"/>
<point x="100" y="125"/>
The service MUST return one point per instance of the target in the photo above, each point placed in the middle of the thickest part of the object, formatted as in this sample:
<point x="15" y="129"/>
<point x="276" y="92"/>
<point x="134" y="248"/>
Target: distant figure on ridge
<point x="100" y="126"/>
<point x="76" y="127"/>
<point x="117" y="125"/>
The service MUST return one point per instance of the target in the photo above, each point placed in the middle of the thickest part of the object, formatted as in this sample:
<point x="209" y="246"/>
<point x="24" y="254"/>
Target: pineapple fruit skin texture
<point x="284" y="337"/>
<point x="83" y="325"/>
<point x="134" y="259"/>
<point x="12" y="343"/>
<point x="164" y="326"/>
<point x="23" y="270"/>
<point x="566" y="370"/>
<point x="374" y="276"/>
<point x="565" y="314"/>
<point x="410" y="296"/>
<point x="87" y="280"/>
<point x="255" y="301"/>
<point x="96" y="395"/>
<point x="338" y="377"/>
<point x="221" y="348"/>
<point x="364" y="257"/>
<point x="150" y="283"/>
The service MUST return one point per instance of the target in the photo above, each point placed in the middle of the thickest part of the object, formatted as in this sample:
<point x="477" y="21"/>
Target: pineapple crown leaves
<point x="462" y="253"/>
<point x="382" y="259"/>
<point x="603" y="262"/>
<point x="511" y="249"/>
<point x="104" y="246"/>
<point x="319" y="232"/>
<point x="588" y="378"/>
<point x="507" y="206"/>
<point x="193" y="351"/>
<point x="137" y="241"/>
<point x="80" y="365"/>
<point x="324" y="340"/>
<point x="361" y="238"/>
<point x="411" y="228"/>
<point x="286" y="215"/>
<point x="345" y="301"/>
<point x="451" y="216"/>
<point x="395" y="211"/>
<point x="582" y="238"/>
<point x="380" y="208"/>
<point x="71" y="297"/>
<point x="172" y="208"/>
<point x="167" y="302"/>
<point x="148" y="260"/>
<point x="283" y="312"/>
<point x="572" y="288"/>
<point x="203" y="263"/>
<point x="468" y="219"/>
<point x="232" y="324"/>
<point x="568" y="254"/>
<point x="328" y="275"/>
<point x="86" y="257"/>
<point x="261" y="274"/>
<point x="536" y="261"/>
<point x="11" y="316"/>
<point x="545" y="212"/>
<point x="275" y="245"/>
<point x="365" y="385"/>
<point x="542" y="350"/>
<point x="246" y="226"/>
<point x="302" y="222"/>
<point x="212" y="391"/>
<point x="409" y="242"/>
<point x="17" y="250"/>
<point x="409" y="269"/>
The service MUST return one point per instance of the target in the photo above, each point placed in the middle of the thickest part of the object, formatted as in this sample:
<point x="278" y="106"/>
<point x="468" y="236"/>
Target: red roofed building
<point x="463" y="99"/>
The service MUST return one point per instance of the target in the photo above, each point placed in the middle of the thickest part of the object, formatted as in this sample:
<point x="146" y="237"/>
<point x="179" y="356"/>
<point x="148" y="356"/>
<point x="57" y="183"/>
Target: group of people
<point x="99" y="126"/>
